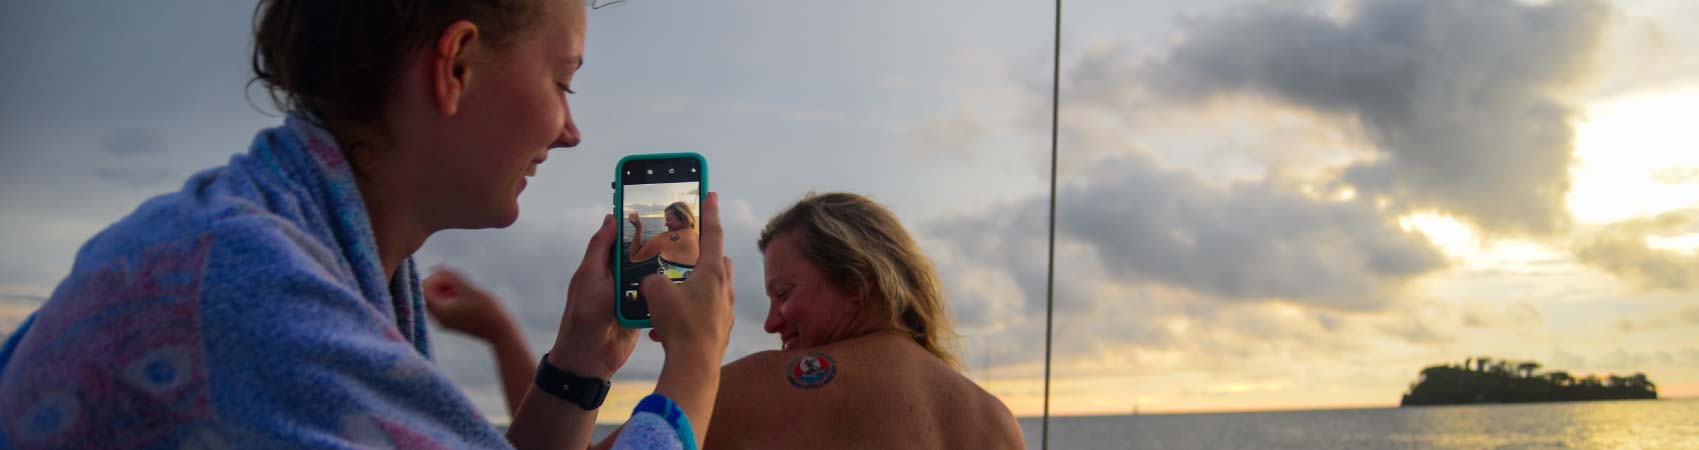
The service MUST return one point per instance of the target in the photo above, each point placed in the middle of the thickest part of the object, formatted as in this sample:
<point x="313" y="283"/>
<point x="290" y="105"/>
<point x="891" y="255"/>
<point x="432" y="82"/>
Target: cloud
<point x="954" y="134"/>
<point x="136" y="177"/>
<point x="1414" y="331"/>
<point x="648" y="208"/>
<point x="1158" y="269"/>
<point x="1561" y="359"/>
<point x="1502" y="316"/>
<point x="14" y="308"/>
<point x="1462" y="107"/>
<point x="133" y="141"/>
<point x="1635" y="361"/>
<point x="1621" y="249"/>
<point x="1466" y="103"/>
<point x="1249" y="241"/>
<point x="783" y="112"/>
<point x="1659" y="319"/>
<point x="1677" y="175"/>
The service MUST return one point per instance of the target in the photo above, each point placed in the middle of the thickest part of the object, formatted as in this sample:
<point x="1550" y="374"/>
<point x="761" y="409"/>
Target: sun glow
<point x="1636" y="155"/>
<point x="1466" y="246"/>
<point x="1687" y="243"/>
<point x="1453" y="237"/>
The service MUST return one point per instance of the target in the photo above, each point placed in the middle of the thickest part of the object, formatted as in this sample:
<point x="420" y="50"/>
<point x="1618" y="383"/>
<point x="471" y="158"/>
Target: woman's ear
<point x="451" y="67"/>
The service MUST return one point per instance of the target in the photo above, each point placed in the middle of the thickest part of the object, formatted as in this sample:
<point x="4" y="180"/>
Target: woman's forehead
<point x="782" y="256"/>
<point x="563" y="31"/>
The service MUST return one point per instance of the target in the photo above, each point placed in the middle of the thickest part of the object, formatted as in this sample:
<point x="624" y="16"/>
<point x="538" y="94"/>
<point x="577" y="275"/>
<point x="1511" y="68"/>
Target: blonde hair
<point x="861" y="247"/>
<point x="682" y="212"/>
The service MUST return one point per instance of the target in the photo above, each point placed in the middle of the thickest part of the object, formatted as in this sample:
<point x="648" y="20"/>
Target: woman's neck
<point x="868" y="320"/>
<point x="397" y="231"/>
<point x="390" y="203"/>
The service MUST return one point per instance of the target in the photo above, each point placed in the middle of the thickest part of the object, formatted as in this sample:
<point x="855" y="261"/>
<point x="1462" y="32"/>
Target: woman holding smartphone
<point x="272" y="302"/>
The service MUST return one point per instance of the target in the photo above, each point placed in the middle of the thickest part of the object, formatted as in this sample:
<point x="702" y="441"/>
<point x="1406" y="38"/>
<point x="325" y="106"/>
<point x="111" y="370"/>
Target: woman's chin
<point x="508" y="217"/>
<point x="502" y="216"/>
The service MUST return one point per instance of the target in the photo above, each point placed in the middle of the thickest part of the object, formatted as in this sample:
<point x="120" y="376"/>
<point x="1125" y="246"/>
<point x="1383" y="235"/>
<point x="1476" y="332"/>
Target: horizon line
<point x="1323" y="407"/>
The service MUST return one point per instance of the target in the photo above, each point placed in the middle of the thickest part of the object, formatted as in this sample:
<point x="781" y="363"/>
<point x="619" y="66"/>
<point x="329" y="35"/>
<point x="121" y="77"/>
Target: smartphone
<point x="657" y="200"/>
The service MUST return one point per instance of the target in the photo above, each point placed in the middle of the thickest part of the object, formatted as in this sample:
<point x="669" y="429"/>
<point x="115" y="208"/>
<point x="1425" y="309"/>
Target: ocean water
<point x="651" y="227"/>
<point x="1643" y="424"/>
<point x="1631" y="424"/>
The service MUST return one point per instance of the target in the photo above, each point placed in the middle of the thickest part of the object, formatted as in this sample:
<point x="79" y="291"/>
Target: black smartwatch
<point x="587" y="393"/>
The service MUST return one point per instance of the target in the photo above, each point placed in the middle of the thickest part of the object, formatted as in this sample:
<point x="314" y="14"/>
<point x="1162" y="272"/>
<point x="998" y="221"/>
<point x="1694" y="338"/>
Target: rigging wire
<point x="1050" y="261"/>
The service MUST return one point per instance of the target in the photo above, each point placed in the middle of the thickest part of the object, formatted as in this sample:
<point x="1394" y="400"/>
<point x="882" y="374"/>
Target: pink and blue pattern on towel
<point x="247" y="310"/>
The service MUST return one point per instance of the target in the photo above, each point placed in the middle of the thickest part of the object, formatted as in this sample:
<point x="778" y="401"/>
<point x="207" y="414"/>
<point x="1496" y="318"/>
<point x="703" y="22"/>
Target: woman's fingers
<point x="712" y="236"/>
<point x="596" y="254"/>
<point x="657" y="286"/>
<point x="730" y="276"/>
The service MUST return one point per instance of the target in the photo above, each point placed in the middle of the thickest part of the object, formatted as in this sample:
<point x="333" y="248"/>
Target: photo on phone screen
<point x="659" y="226"/>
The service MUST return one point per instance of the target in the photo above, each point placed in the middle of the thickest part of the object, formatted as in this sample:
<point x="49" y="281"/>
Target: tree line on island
<point x="1490" y="380"/>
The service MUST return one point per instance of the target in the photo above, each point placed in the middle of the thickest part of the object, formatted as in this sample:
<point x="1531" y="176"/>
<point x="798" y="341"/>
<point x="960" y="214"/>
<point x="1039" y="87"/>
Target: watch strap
<point x="587" y="393"/>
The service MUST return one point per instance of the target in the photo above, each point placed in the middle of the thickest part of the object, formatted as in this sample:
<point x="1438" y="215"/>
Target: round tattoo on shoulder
<point x="812" y="371"/>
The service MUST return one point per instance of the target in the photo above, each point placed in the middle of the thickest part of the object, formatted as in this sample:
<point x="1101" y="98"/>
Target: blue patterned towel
<point x="656" y="424"/>
<point x="248" y="310"/>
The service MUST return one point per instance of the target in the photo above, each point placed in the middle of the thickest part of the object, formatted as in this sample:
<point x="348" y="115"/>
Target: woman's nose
<point x="774" y="321"/>
<point x="569" y="136"/>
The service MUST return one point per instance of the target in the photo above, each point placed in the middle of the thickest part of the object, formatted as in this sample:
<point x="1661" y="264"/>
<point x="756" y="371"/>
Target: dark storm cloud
<point x="1464" y="100"/>
<point x="1251" y="240"/>
<point x="1247" y="241"/>
<point x="1464" y="105"/>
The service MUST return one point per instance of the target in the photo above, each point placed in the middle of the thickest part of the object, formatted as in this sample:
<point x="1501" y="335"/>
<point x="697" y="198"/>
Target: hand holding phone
<point x="589" y="343"/>
<point x="693" y="322"/>
<point x="695" y="316"/>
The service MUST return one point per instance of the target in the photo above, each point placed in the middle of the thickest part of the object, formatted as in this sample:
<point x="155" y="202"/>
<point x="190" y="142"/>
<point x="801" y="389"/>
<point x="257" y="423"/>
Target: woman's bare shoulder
<point x="840" y="368"/>
<point x="865" y="391"/>
<point x="752" y="363"/>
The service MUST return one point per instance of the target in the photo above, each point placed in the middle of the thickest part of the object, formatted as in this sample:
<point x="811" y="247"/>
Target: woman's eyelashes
<point x="564" y="88"/>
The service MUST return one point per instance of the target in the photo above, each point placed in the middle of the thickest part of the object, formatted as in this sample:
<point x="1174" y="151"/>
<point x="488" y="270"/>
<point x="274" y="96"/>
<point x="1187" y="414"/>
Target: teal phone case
<point x="619" y="217"/>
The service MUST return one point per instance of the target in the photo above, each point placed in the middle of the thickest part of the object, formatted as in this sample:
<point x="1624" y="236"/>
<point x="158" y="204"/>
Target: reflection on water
<point x="1630" y="424"/>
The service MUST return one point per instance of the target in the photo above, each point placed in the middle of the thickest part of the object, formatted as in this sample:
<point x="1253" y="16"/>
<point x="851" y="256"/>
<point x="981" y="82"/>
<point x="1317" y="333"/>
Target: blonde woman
<point x="675" y="248"/>
<point x="867" y="358"/>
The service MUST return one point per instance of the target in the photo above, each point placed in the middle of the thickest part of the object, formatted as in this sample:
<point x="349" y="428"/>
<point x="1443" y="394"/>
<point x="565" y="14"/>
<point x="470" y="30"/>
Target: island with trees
<point x="1489" y="380"/>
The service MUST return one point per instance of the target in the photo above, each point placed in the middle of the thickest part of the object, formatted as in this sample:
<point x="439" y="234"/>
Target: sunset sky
<point x="1263" y="204"/>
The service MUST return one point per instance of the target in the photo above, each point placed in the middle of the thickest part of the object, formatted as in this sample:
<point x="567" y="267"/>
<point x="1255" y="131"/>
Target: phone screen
<point x="658" y="213"/>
